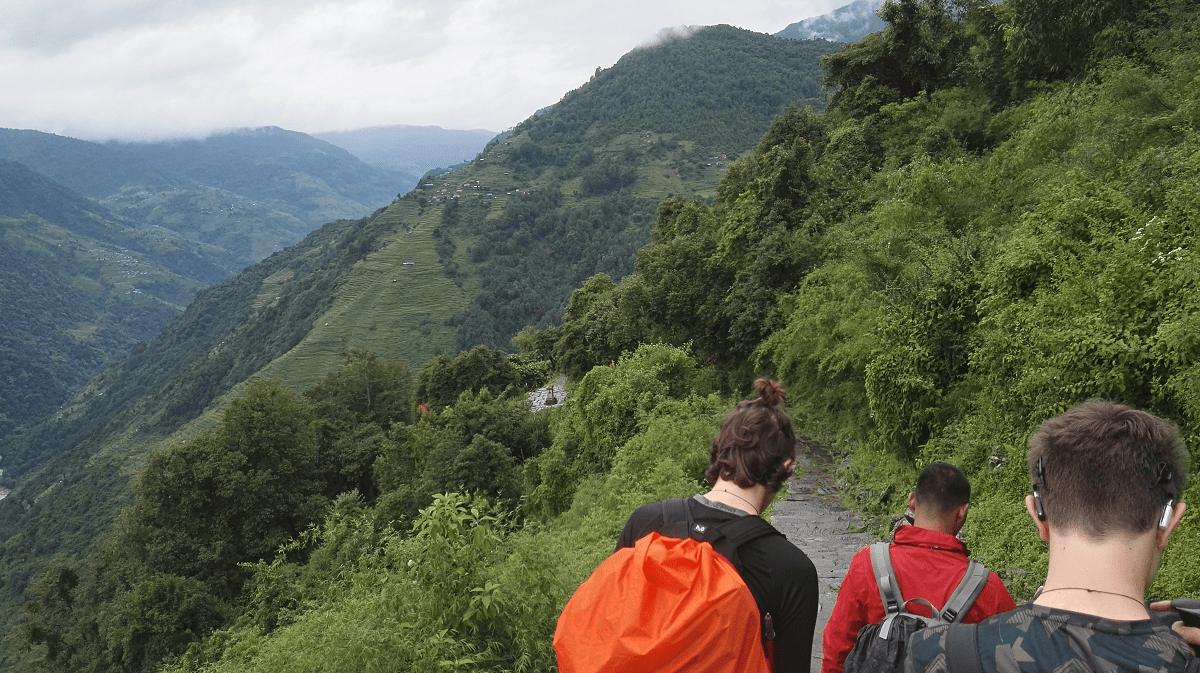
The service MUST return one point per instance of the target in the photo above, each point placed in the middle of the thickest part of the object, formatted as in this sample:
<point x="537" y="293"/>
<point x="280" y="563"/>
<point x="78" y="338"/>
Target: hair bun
<point x="770" y="393"/>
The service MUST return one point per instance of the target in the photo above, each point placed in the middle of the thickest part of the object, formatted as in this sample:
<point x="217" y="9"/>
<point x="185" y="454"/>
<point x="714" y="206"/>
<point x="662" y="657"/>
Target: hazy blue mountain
<point x="310" y="178"/>
<point x="410" y="149"/>
<point x="850" y="23"/>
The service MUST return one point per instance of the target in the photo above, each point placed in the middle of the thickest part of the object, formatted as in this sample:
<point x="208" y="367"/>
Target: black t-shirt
<point x="1035" y="638"/>
<point x="779" y="575"/>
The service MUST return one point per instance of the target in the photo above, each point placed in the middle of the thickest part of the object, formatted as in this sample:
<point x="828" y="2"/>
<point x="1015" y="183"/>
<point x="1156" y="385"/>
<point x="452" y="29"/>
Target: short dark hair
<point x="1104" y="468"/>
<point x="943" y="487"/>
<point x="755" y="441"/>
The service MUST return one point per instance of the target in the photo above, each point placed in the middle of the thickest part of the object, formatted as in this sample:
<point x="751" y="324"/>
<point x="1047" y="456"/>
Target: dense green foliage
<point x="950" y="255"/>
<point x="208" y="509"/>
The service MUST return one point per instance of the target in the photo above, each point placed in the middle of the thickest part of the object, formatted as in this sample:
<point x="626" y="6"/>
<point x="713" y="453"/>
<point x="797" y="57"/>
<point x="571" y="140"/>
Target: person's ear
<point x="912" y="502"/>
<point x="1176" y="516"/>
<point x="1042" y="526"/>
<point x="961" y="515"/>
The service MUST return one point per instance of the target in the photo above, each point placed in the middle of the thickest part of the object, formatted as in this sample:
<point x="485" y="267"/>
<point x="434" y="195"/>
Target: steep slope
<point x="186" y="214"/>
<point x="573" y="192"/>
<point x="80" y="288"/>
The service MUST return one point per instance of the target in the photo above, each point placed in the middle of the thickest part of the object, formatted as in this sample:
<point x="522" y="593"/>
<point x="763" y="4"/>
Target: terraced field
<point x="394" y="303"/>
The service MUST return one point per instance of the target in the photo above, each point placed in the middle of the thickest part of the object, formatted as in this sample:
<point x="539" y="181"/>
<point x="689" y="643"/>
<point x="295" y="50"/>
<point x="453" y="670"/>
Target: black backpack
<point x="882" y="646"/>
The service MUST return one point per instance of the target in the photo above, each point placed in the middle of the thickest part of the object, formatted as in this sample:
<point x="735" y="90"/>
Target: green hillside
<point x="248" y="193"/>
<point x="573" y="192"/>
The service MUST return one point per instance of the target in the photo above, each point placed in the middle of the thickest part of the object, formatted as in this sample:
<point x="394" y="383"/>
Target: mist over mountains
<point x="410" y="149"/>
<point x="849" y="23"/>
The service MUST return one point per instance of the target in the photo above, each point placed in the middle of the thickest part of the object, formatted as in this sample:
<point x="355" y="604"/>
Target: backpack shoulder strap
<point x="885" y="578"/>
<point x="746" y="529"/>
<point x="677" y="518"/>
<point x="966" y="592"/>
<point x="962" y="649"/>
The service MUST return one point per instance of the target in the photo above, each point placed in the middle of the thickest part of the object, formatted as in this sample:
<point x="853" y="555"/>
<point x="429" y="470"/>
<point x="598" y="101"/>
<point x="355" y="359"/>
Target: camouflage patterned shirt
<point x="1037" y="638"/>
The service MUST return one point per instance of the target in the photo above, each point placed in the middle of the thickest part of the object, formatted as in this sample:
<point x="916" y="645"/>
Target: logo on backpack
<point x="882" y="646"/>
<point x="659" y="605"/>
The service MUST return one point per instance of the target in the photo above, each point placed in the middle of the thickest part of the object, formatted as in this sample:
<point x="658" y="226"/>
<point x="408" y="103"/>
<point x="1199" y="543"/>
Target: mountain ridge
<point x="849" y="23"/>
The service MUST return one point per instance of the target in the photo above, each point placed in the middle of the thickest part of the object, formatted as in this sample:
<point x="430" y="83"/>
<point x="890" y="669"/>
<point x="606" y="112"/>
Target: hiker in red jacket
<point x="928" y="558"/>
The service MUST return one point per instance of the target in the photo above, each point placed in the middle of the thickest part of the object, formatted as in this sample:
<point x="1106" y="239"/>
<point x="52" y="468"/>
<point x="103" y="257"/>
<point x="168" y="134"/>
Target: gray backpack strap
<point x="889" y="589"/>
<point x="962" y="649"/>
<point x="966" y="592"/>
<point x="885" y="577"/>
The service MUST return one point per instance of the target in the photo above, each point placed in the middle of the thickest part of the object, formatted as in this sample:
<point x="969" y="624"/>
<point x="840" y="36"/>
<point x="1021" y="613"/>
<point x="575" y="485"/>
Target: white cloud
<point x="161" y="68"/>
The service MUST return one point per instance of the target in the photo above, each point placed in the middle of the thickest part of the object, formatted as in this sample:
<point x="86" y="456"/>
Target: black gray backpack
<point x="882" y="646"/>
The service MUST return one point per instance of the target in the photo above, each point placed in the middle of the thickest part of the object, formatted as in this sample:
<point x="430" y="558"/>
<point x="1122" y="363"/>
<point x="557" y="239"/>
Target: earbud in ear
<point x="1037" y="505"/>
<point x="1166" y="515"/>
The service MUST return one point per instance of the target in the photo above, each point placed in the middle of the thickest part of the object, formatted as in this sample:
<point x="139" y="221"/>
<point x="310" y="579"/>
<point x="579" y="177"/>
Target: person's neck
<point x="931" y="523"/>
<point x="751" y="500"/>
<point x="1106" y="578"/>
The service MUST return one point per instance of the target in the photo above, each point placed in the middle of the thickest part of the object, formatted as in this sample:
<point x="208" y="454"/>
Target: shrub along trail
<point x="813" y="520"/>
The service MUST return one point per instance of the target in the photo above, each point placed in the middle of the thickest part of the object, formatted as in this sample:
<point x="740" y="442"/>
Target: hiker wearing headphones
<point x="704" y="583"/>
<point x="1106" y="486"/>
<point x="926" y="561"/>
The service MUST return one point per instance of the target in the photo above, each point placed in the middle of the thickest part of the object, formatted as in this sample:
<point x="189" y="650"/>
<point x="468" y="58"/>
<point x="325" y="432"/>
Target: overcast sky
<point x="148" y="69"/>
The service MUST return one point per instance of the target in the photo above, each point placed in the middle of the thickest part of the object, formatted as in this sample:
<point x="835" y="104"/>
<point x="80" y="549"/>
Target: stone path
<point x="538" y="397"/>
<point x="814" y="521"/>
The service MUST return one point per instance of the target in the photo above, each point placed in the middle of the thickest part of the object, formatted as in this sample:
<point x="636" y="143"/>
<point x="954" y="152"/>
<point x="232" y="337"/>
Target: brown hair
<point x="1103" y="468"/>
<point x="755" y="441"/>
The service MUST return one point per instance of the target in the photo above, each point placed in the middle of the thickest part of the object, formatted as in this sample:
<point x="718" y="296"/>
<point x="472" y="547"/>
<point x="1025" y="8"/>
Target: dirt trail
<point x="813" y="520"/>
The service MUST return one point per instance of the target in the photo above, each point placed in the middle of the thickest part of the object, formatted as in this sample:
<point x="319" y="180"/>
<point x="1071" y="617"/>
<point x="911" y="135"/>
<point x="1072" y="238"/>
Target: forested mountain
<point x="850" y="23"/>
<point x="411" y="149"/>
<point x="310" y="179"/>
<point x="992" y="222"/>
<point x="80" y="287"/>
<point x="248" y="192"/>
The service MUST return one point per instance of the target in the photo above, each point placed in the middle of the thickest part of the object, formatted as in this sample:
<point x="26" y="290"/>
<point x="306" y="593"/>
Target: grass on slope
<point x="394" y="310"/>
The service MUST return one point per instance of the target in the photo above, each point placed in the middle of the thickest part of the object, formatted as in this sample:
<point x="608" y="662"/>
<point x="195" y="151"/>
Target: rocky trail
<point x="813" y="519"/>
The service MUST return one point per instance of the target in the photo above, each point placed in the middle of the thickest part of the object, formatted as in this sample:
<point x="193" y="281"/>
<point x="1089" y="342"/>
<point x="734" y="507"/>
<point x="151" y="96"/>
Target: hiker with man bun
<point x="704" y="583"/>
<point x="1106" y="482"/>
<point x="928" y="562"/>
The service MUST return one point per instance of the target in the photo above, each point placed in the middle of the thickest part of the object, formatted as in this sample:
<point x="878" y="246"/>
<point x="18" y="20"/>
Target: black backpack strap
<point x="962" y="649"/>
<point x="740" y="531"/>
<point x="677" y="518"/>
<point x="966" y="592"/>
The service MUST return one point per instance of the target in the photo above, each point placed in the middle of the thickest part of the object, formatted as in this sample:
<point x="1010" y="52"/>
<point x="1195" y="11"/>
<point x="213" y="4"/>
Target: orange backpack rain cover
<point x="665" y="604"/>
